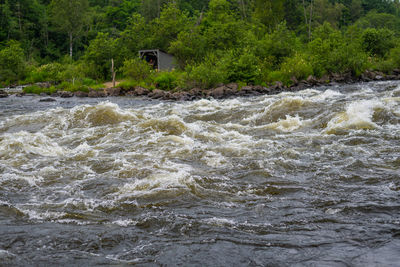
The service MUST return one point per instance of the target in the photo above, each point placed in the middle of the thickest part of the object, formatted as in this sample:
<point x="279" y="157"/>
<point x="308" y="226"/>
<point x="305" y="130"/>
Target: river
<point x="308" y="178"/>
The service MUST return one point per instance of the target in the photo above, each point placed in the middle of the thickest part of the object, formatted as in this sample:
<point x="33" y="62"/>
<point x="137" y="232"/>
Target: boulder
<point x="230" y="92"/>
<point x="396" y="71"/>
<point x="324" y="79"/>
<point x="277" y="86"/>
<point x="392" y="77"/>
<point x="43" y="84"/>
<point x="294" y="80"/>
<point x="47" y="99"/>
<point x="112" y="91"/>
<point x="217" y="93"/>
<point x="157" y="94"/>
<point x="181" y="96"/>
<point x="96" y="93"/>
<point x="312" y="80"/>
<point x="233" y="86"/>
<point x="130" y="93"/>
<point x="3" y="94"/>
<point x="259" y="88"/>
<point x="196" y="92"/>
<point x="140" y="91"/>
<point x="80" y="94"/>
<point x="66" y="94"/>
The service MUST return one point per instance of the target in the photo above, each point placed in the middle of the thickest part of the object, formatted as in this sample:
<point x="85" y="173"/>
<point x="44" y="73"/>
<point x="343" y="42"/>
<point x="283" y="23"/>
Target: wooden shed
<point x="159" y="59"/>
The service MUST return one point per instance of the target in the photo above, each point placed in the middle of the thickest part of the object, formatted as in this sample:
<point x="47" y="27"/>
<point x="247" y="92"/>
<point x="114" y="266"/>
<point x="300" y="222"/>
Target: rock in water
<point x="47" y="99"/>
<point x="3" y="94"/>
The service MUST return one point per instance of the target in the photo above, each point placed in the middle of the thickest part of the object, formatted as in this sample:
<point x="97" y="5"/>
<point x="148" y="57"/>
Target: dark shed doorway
<point x="158" y="59"/>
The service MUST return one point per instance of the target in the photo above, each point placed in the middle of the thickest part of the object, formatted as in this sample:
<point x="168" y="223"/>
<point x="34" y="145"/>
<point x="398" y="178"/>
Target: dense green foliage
<point x="213" y="41"/>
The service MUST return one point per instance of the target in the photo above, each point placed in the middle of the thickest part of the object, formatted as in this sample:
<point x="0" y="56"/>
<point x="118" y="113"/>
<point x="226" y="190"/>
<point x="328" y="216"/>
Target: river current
<point x="308" y="178"/>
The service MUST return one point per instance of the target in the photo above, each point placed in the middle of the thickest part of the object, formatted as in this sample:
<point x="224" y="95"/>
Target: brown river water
<point x="308" y="178"/>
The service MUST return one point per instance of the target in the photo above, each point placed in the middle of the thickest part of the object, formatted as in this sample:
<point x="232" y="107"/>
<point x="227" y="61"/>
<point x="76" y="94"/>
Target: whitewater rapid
<point x="282" y="179"/>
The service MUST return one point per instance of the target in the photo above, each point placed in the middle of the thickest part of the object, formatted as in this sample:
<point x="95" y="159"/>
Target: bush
<point x="129" y="84"/>
<point x="72" y="87"/>
<point x="207" y="74"/>
<point x="12" y="62"/>
<point x="136" y="69"/>
<point x="45" y="73"/>
<point x="166" y="80"/>
<point x="274" y="76"/>
<point x="35" y="89"/>
<point x="377" y="42"/>
<point x="243" y="67"/>
<point x="392" y="62"/>
<point x="297" y="67"/>
<point x="330" y="52"/>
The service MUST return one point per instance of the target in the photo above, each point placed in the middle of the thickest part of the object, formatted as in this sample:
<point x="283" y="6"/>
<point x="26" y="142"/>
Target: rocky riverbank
<point x="225" y="90"/>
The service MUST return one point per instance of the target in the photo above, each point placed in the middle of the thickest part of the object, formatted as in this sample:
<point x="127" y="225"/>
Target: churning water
<point x="299" y="178"/>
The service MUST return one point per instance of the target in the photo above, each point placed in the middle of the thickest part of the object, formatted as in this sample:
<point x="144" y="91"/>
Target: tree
<point x="100" y="54"/>
<point x="269" y="12"/>
<point x="378" y="42"/>
<point x="70" y="16"/>
<point x="12" y="62"/>
<point x="325" y="11"/>
<point x="166" y="28"/>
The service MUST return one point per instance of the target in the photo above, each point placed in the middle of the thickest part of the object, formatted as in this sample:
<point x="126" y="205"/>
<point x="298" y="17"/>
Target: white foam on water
<point x="289" y="124"/>
<point x="174" y="178"/>
<point x="4" y="254"/>
<point x="220" y="221"/>
<point x="124" y="223"/>
<point x="32" y="180"/>
<point x="214" y="159"/>
<point x="41" y="216"/>
<point x="326" y="95"/>
<point x="23" y="142"/>
<point x="358" y="115"/>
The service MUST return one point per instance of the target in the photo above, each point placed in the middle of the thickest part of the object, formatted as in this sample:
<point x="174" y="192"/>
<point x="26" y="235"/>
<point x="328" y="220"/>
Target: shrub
<point x="166" y="80"/>
<point x="136" y="69"/>
<point x="274" y="76"/>
<point x="392" y="62"/>
<point x="207" y="74"/>
<point x="377" y="41"/>
<point x="243" y="67"/>
<point x="297" y="67"/>
<point x="45" y="73"/>
<point x="129" y="84"/>
<point x="12" y="62"/>
<point x="72" y="87"/>
<point x="35" y="89"/>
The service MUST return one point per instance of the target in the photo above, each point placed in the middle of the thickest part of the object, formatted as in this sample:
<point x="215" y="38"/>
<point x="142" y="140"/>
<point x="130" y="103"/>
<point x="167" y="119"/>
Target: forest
<point x="71" y="43"/>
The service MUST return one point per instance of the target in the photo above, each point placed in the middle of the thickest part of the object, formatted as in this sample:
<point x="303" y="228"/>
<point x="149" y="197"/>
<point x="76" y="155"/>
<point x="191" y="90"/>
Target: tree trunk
<point x="309" y="25"/>
<point x="112" y="72"/>
<point x="305" y="13"/>
<point x="70" y="44"/>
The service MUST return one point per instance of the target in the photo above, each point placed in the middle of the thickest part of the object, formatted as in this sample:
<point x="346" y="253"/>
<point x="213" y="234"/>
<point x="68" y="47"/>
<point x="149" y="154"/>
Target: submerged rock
<point x="47" y="99"/>
<point x="3" y="94"/>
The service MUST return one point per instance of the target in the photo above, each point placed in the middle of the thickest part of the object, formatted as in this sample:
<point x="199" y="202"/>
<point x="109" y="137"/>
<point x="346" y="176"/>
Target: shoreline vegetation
<point x="221" y="91"/>
<point x="222" y="48"/>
